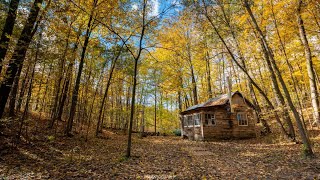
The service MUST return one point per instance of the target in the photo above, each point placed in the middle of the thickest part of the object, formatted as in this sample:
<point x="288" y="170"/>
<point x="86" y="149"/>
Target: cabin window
<point x="185" y="121"/>
<point x="242" y="119"/>
<point x="190" y="121"/>
<point x="197" y="119"/>
<point x="209" y="120"/>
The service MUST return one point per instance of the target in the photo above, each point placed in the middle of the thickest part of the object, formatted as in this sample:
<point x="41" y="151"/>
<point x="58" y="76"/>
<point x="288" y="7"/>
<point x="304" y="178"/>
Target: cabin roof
<point x="217" y="101"/>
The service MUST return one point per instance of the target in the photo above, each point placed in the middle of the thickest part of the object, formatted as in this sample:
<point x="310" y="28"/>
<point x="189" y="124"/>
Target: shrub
<point x="177" y="132"/>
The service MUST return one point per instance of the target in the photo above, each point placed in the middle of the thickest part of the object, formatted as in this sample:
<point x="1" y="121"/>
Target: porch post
<point x="194" y="134"/>
<point x="182" y="124"/>
<point x="201" y="123"/>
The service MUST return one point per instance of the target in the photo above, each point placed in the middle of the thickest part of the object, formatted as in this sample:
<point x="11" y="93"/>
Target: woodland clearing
<point x="44" y="156"/>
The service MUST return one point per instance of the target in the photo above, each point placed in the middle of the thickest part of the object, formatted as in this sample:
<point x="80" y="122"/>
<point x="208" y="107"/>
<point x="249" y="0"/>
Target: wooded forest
<point x="99" y="85"/>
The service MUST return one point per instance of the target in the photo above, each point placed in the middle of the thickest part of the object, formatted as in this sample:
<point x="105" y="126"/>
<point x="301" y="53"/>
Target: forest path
<point x="155" y="157"/>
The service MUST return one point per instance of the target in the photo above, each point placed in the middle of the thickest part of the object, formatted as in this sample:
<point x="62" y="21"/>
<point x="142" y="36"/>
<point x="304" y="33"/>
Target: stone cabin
<point x="215" y="119"/>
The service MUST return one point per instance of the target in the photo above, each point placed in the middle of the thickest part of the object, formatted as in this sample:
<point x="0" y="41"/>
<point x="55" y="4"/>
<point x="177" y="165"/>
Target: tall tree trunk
<point x="283" y="50"/>
<point x="308" y="149"/>
<point x="277" y="92"/>
<point x="42" y="109"/>
<point x="13" y="93"/>
<point x="193" y="79"/>
<point x="75" y="91"/>
<point x="208" y="70"/>
<point x="60" y="74"/>
<point x="136" y="60"/>
<point x="67" y="82"/>
<point x="311" y="73"/>
<point x="7" y="30"/>
<point x="40" y="86"/>
<point x="107" y="89"/>
<point x="26" y="109"/>
<point x="155" y="108"/>
<point x="19" y="54"/>
<point x="128" y="154"/>
<point x="180" y="101"/>
<point x="24" y="86"/>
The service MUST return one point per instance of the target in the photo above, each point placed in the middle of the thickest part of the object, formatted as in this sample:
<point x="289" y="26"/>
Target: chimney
<point x="230" y="93"/>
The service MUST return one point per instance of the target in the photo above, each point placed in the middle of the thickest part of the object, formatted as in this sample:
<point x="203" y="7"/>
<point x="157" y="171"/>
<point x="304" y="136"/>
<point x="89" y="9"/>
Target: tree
<point x="136" y="60"/>
<point x="268" y="53"/>
<point x="19" y="53"/>
<point x="311" y="74"/>
<point x="113" y="65"/>
<point x="81" y="64"/>
<point x="7" y="30"/>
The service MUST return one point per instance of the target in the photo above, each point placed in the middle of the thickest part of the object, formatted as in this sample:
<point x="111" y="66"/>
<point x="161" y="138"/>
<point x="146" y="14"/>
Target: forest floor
<point x="45" y="156"/>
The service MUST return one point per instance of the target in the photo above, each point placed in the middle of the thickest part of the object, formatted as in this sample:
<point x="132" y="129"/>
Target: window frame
<point x="208" y="121"/>
<point x="185" y="121"/>
<point x="245" y="115"/>
<point x="190" y="120"/>
<point x="198" y="115"/>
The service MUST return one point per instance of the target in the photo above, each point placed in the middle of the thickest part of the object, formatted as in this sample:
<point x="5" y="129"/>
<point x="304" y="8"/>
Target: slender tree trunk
<point x="278" y="93"/>
<point x="180" y="101"/>
<point x="67" y="82"/>
<point x="42" y="109"/>
<point x="40" y="86"/>
<point x="208" y="70"/>
<point x="193" y="79"/>
<point x="13" y="94"/>
<point x="311" y="73"/>
<point x="81" y="64"/>
<point x="136" y="60"/>
<point x="107" y="89"/>
<point x="58" y="87"/>
<point x="24" y="86"/>
<point x="26" y="109"/>
<point x="155" y="109"/>
<point x="128" y="154"/>
<point x="283" y="49"/>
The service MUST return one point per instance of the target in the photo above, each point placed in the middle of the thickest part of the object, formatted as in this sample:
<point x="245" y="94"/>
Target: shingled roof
<point x="216" y="101"/>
